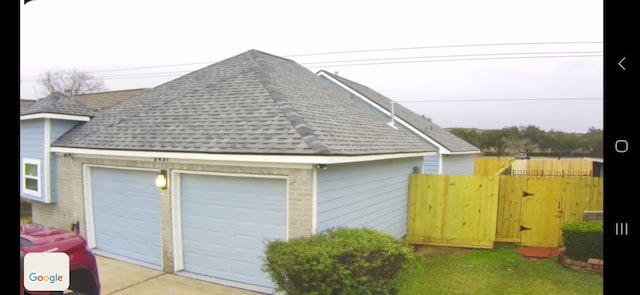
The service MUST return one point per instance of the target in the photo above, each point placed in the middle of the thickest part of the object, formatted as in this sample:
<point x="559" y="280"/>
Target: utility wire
<point x="360" y="51"/>
<point x="457" y="59"/>
<point x="446" y="46"/>
<point x="346" y="63"/>
<point x="455" y="55"/>
<point x="407" y="60"/>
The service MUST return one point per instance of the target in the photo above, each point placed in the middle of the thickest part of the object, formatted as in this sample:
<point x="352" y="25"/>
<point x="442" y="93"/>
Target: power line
<point x="453" y="59"/>
<point x="442" y="58"/>
<point x="360" y="51"/>
<point x="325" y="63"/>
<point x="151" y="67"/>
<point x="456" y="55"/>
<point x="446" y="46"/>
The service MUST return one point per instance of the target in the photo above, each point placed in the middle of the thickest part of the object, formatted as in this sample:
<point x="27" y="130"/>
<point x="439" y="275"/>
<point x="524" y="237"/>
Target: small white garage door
<point x="225" y="221"/>
<point x="126" y="214"/>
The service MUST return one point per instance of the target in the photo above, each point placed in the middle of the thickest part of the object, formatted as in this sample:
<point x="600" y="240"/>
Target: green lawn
<point x="497" y="271"/>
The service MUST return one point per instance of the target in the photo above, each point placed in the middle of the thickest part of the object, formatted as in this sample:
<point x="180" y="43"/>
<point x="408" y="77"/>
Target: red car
<point x="83" y="269"/>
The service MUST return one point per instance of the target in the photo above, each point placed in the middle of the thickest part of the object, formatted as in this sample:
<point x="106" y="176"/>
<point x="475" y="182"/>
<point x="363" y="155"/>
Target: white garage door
<point x="225" y="221"/>
<point x="126" y="214"/>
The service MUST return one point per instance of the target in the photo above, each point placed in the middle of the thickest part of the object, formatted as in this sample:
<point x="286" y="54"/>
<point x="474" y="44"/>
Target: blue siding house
<point x="193" y="176"/>
<point x="454" y="155"/>
<point x="42" y="123"/>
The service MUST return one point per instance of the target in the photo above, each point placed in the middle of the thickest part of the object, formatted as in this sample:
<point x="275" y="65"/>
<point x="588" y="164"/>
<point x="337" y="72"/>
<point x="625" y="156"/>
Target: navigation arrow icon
<point x="620" y="63"/>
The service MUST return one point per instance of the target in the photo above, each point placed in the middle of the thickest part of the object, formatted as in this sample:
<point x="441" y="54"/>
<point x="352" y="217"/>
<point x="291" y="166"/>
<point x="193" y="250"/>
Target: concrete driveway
<point x="120" y="278"/>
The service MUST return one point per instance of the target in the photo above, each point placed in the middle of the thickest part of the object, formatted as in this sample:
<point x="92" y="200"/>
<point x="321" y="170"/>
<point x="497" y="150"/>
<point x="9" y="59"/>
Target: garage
<point x="126" y="214"/>
<point x="225" y="221"/>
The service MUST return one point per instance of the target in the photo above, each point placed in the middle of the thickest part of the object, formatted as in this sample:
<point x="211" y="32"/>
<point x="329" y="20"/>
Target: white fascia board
<point x="465" y="153"/>
<point x="236" y="158"/>
<point x="47" y="160"/>
<point x="442" y="149"/>
<point x="55" y="116"/>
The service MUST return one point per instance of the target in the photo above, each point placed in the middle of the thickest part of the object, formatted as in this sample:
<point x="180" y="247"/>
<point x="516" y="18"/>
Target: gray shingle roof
<point x="433" y="131"/>
<point x="57" y="103"/>
<point x="100" y="100"/>
<point x="252" y="103"/>
<point x="26" y="102"/>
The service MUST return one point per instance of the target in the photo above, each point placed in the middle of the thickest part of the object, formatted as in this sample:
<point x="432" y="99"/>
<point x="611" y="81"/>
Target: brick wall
<point x="592" y="265"/>
<point x="593" y="215"/>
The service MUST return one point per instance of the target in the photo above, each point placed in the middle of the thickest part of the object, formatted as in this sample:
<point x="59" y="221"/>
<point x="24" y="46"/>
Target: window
<point x="31" y="178"/>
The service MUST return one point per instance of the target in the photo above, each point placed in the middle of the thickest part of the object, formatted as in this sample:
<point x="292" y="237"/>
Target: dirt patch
<point x="428" y="251"/>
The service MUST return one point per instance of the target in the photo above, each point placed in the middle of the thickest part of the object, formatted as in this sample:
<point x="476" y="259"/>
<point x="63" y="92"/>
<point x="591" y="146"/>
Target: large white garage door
<point x="126" y="214"/>
<point x="225" y="221"/>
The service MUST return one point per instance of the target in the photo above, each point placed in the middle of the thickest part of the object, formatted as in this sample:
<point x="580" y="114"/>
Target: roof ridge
<point x="269" y="54"/>
<point x="335" y="76"/>
<point x="298" y="122"/>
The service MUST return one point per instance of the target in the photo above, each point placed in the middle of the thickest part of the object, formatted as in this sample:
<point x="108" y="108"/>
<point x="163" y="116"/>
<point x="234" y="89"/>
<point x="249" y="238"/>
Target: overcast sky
<point x="532" y="62"/>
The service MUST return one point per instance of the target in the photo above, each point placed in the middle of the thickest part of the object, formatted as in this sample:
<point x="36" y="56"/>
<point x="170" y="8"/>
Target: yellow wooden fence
<point x="452" y="210"/>
<point x="489" y="166"/>
<point x="476" y="211"/>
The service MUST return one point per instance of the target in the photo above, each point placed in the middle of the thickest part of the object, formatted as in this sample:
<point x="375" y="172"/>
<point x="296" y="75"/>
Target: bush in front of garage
<point x="583" y="240"/>
<point x="337" y="261"/>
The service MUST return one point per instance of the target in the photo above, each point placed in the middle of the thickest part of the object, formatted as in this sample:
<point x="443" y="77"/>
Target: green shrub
<point x="583" y="240"/>
<point x="337" y="261"/>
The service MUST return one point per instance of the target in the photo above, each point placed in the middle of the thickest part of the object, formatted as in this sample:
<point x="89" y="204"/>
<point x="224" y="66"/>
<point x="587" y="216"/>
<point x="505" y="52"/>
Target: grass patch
<point x="25" y="218"/>
<point x="497" y="271"/>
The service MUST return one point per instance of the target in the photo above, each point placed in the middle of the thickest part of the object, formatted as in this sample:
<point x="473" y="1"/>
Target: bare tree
<point x="70" y="82"/>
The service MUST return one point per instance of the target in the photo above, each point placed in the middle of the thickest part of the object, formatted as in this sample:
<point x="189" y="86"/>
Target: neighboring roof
<point x="440" y="135"/>
<point x="26" y="102"/>
<point x="252" y="103"/>
<point x="57" y="103"/>
<point x="100" y="100"/>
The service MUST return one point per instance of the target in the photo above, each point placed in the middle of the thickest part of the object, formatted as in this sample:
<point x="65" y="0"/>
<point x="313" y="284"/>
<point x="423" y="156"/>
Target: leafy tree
<point x="70" y="82"/>
<point x="535" y="137"/>
<point x="494" y="139"/>
<point x="512" y="138"/>
<point x="469" y="135"/>
<point x="593" y="139"/>
<point x="532" y="138"/>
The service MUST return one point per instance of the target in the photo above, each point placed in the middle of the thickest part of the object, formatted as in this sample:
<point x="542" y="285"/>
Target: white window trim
<point x="24" y="177"/>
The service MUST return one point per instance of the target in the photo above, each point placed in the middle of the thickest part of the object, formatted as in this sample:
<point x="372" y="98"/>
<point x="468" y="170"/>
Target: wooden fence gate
<point x="533" y="209"/>
<point x="476" y="211"/>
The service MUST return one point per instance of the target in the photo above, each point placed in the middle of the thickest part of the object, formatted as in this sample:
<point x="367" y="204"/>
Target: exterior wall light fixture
<point x="161" y="179"/>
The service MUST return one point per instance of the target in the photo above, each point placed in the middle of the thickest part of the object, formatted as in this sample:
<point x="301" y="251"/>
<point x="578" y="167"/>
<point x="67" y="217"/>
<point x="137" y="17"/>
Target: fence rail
<point x="542" y="172"/>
